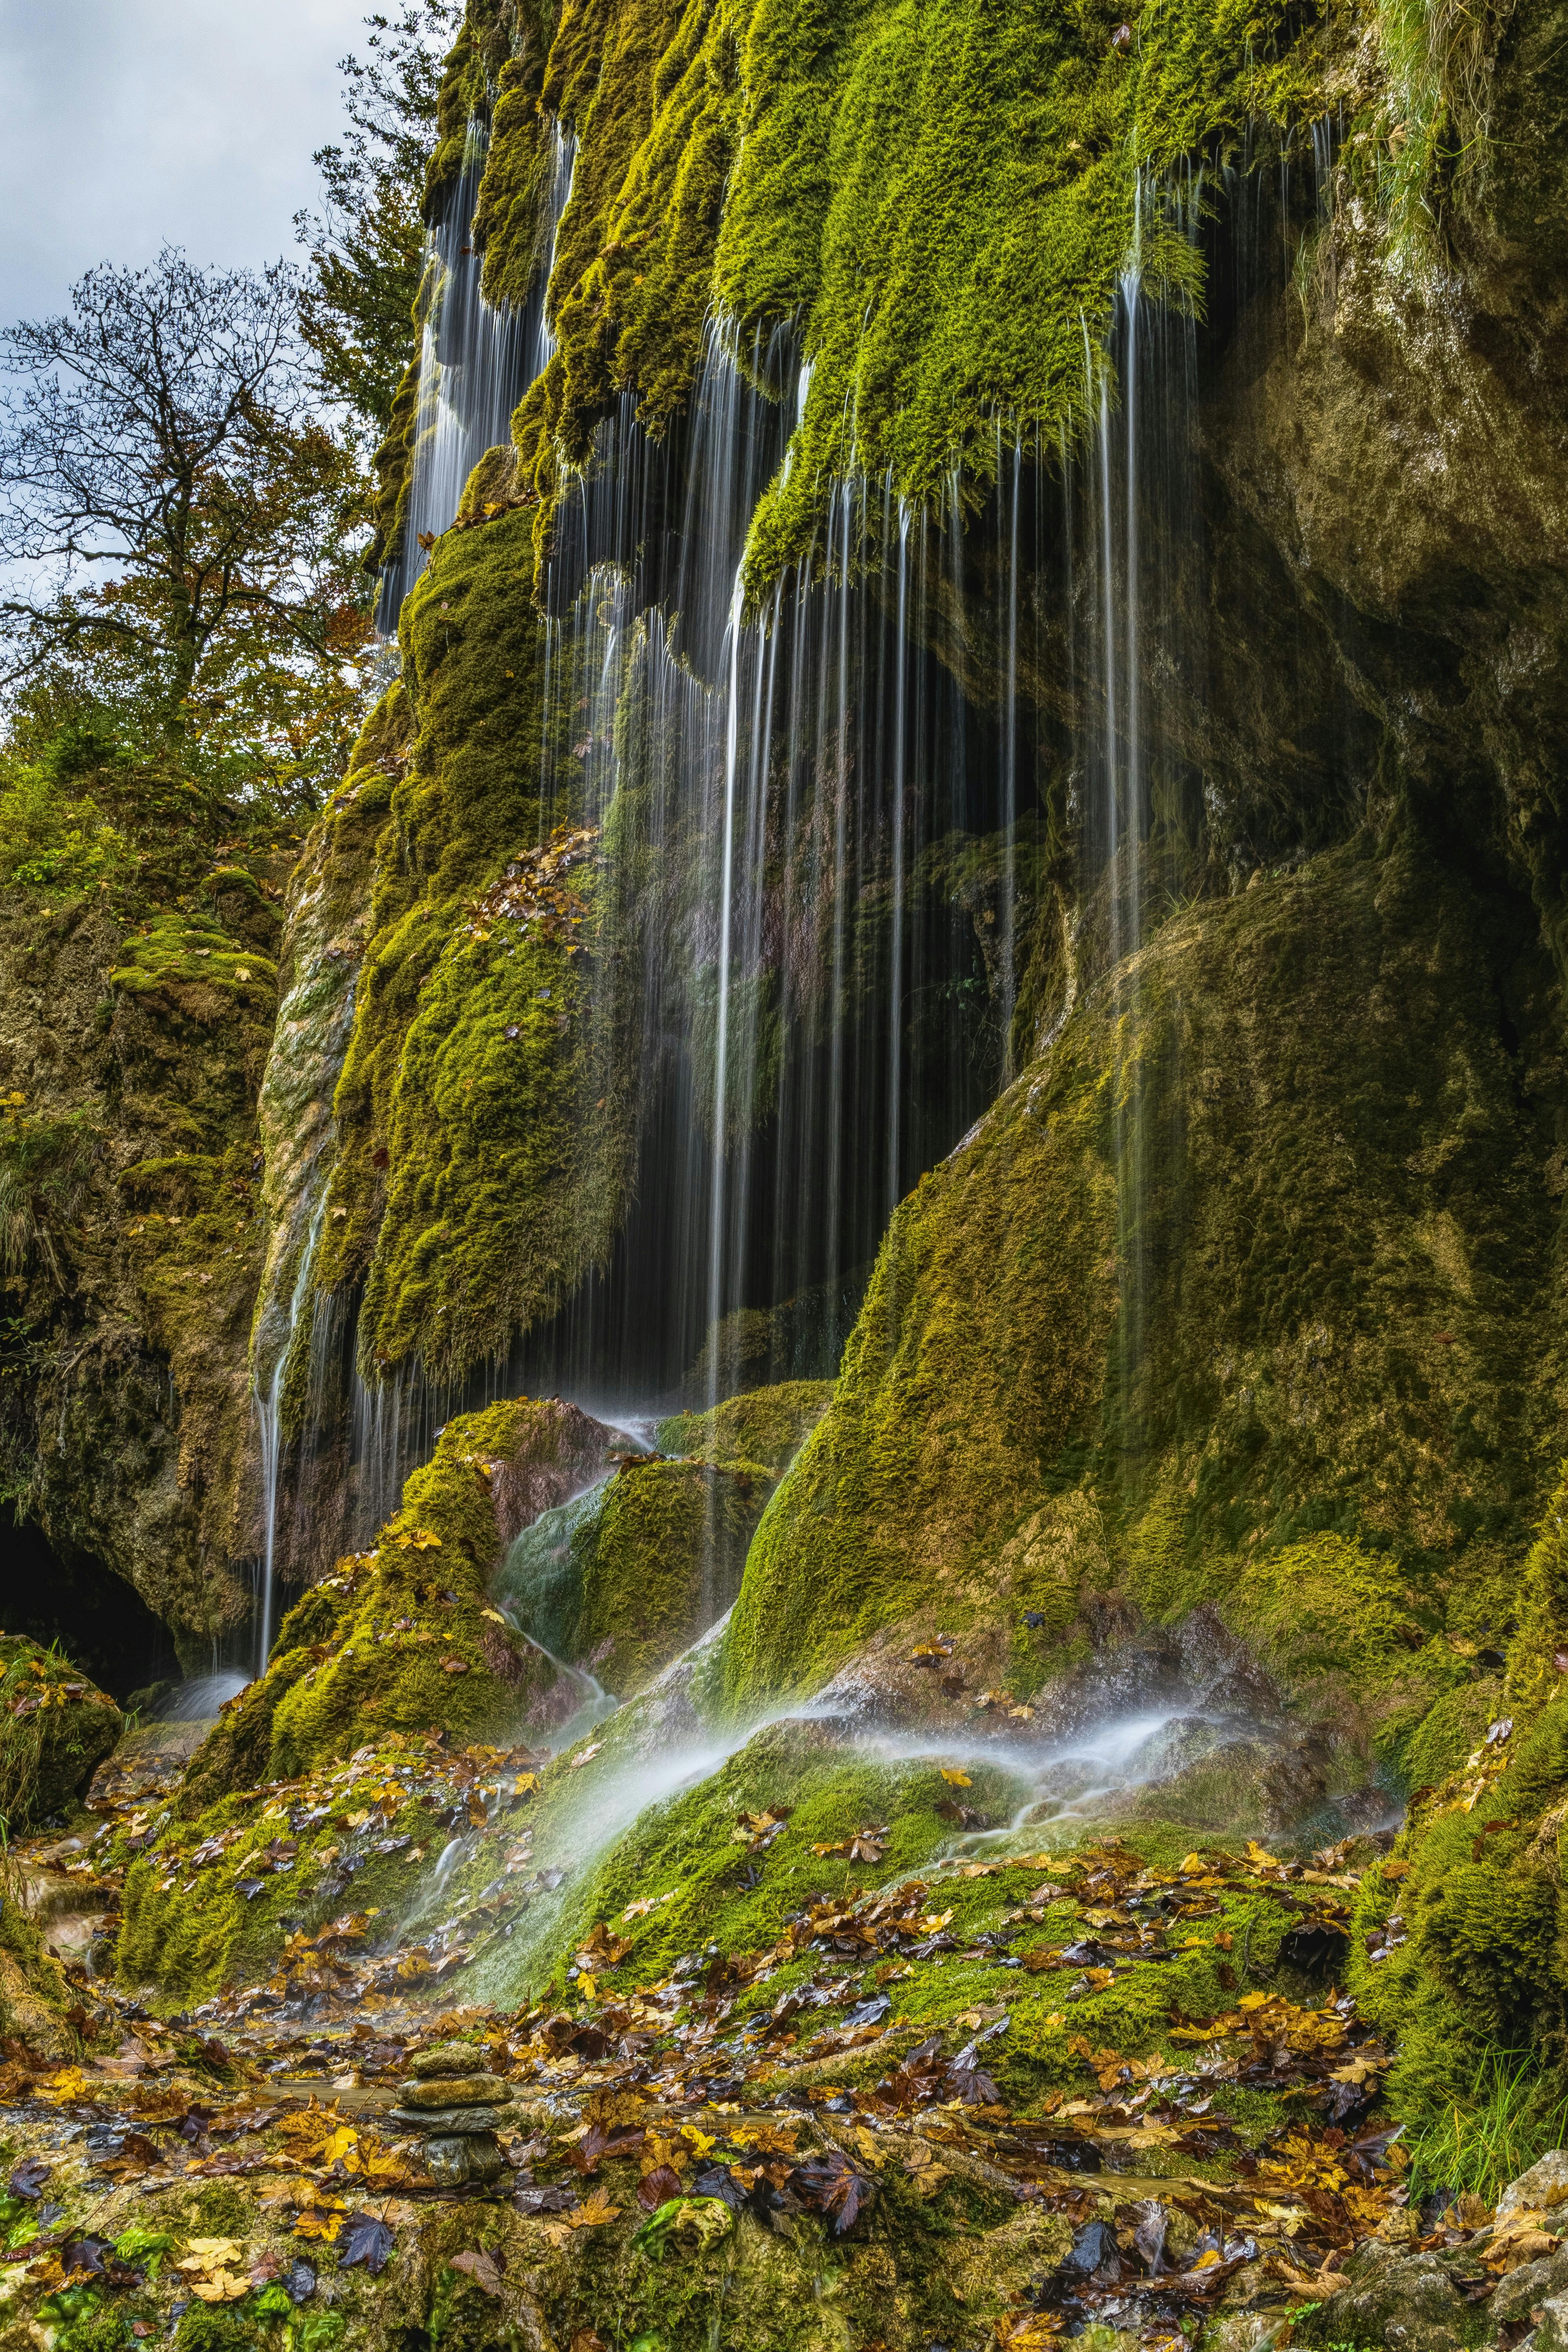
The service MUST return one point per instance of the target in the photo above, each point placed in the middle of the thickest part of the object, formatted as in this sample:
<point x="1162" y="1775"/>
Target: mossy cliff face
<point x="941" y="203"/>
<point x="1439" y="580"/>
<point x="483" y="1143"/>
<point x="134" y="1024"/>
<point x="1261" y="1254"/>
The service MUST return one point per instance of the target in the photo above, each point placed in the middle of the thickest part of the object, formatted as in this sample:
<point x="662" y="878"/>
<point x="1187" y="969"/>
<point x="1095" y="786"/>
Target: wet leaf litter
<point x="667" y="2111"/>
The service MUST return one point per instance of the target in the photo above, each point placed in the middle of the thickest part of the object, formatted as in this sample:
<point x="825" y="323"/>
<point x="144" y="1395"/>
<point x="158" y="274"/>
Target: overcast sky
<point x="128" y="122"/>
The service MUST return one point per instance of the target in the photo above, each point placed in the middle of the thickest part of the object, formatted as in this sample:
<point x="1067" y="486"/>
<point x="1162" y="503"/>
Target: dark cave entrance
<point x="100" y="1622"/>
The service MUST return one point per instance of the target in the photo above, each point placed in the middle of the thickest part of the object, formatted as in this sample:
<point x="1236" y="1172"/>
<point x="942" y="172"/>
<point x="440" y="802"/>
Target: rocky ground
<point x="982" y="2105"/>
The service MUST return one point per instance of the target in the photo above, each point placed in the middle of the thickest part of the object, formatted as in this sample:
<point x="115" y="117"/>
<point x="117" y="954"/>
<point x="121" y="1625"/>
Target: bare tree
<point x="168" y="485"/>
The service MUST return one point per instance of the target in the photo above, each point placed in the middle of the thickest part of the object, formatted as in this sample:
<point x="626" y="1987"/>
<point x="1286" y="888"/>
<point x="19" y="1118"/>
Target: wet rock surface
<point x="1394" y="2302"/>
<point x="455" y="2105"/>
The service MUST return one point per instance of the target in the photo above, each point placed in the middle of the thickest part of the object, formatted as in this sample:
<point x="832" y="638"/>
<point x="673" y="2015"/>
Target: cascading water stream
<point x="269" y="1412"/>
<point x="475" y="361"/>
<point x="837" y="817"/>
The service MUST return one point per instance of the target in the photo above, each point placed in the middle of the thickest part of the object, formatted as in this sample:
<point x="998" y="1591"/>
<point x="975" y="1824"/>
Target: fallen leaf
<point x="480" y="2267"/>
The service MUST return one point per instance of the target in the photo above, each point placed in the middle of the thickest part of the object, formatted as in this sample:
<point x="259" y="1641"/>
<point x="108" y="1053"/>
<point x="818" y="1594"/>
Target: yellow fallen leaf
<point x="70" y="2083"/>
<point x="223" y="2287"/>
<point x="956" y="1780"/>
<point x="208" y="2253"/>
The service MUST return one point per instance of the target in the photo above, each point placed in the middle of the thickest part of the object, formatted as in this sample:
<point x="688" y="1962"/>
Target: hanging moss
<point x="938" y="199"/>
<point x="484" y="1116"/>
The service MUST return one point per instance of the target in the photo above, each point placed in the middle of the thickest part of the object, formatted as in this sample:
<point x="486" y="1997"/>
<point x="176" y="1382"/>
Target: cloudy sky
<point x="131" y="121"/>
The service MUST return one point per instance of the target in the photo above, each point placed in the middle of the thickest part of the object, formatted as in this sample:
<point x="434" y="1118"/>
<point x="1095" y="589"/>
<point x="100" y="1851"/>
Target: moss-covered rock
<point x="483" y="1130"/>
<point x="768" y="1425"/>
<point x="627" y="1578"/>
<point x="1463" y="1935"/>
<point x="405" y="1638"/>
<point x="134" y="1021"/>
<point x="1271" y="1274"/>
<point x="55" y="1728"/>
<point x="942" y="213"/>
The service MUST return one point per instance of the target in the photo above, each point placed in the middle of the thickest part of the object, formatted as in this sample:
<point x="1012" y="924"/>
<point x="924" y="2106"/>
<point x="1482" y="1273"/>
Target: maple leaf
<point x="955" y="1779"/>
<point x="365" y="2240"/>
<point x="315" y="2223"/>
<point x="834" y="2187"/>
<point x="223" y="2286"/>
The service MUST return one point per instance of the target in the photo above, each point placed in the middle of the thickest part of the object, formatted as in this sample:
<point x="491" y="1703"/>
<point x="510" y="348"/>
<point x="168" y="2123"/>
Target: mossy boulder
<point x="55" y="1728"/>
<point x="768" y="1425"/>
<point x="625" y="1579"/>
<point x="404" y="1637"/>
<point x="1269" y="1274"/>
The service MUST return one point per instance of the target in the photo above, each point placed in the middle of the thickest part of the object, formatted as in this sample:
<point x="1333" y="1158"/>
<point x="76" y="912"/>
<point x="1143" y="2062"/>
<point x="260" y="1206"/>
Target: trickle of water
<point x="270" y="1409"/>
<point x="200" y="1701"/>
<point x="475" y="362"/>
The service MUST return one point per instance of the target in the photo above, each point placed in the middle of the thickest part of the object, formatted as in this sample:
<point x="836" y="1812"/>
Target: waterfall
<point x="270" y="1414"/>
<point x="832" y="816"/>
<point x="476" y="360"/>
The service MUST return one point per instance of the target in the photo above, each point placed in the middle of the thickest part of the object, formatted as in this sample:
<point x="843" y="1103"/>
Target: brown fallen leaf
<point x="1316" y="2284"/>
<point x="481" y="2268"/>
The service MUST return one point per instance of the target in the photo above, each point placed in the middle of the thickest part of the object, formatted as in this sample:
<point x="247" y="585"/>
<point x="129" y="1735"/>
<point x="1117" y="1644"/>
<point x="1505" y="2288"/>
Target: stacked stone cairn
<point x="456" y="2107"/>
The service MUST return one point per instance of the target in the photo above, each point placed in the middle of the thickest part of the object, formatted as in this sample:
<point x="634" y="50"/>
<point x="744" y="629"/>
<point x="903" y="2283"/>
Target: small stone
<point x="1395" y="2303"/>
<point x="475" y="2157"/>
<point x="1537" y="2190"/>
<point x="1521" y="2293"/>
<point x="457" y="2090"/>
<point x="443" y="2121"/>
<point x="449" y="2058"/>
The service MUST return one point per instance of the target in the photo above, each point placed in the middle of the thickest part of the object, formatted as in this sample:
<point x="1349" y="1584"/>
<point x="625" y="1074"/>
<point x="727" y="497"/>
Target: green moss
<point x="192" y="1925"/>
<point x="976" y="1367"/>
<point x="662" y="1561"/>
<point x="627" y="1576"/>
<point x="1479" y="1964"/>
<point x="479" y="1173"/>
<point x="1425" y="1742"/>
<point x="450" y="1664"/>
<point x="767" y="1425"/>
<point x="509" y="222"/>
<point x="941" y="203"/>
<point x="1299" y="1365"/>
<point x="197" y="966"/>
<point x="55" y="1728"/>
<point x="684" y="1856"/>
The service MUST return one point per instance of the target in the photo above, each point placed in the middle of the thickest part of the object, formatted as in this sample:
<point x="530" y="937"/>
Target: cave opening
<point x="101" y="1623"/>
